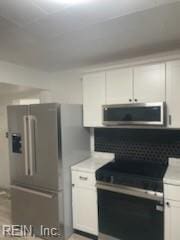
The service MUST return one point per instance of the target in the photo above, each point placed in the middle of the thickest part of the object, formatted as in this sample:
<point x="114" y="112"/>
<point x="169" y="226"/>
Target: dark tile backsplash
<point x="138" y="144"/>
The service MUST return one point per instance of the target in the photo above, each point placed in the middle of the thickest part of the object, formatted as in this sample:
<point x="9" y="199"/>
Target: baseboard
<point x="84" y="234"/>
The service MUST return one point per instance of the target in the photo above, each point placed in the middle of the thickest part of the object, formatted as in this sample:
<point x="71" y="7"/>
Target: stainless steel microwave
<point x="134" y="114"/>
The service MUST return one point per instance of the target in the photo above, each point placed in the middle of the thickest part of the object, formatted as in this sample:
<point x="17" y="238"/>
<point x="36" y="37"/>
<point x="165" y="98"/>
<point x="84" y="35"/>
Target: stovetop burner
<point x="140" y="174"/>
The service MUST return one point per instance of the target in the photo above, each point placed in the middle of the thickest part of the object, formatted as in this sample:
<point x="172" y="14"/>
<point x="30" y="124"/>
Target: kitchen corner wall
<point x="24" y="76"/>
<point x="66" y="86"/>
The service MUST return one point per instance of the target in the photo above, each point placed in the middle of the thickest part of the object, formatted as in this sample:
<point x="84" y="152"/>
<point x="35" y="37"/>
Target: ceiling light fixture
<point x="73" y="2"/>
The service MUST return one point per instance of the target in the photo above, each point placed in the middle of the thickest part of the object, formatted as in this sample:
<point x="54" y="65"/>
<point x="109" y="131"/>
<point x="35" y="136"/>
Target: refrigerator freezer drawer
<point x="38" y="209"/>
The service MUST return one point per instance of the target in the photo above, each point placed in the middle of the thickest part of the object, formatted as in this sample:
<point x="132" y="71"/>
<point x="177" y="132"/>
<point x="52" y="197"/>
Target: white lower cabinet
<point x="172" y="212"/>
<point x="172" y="220"/>
<point x="84" y="210"/>
<point x="84" y="201"/>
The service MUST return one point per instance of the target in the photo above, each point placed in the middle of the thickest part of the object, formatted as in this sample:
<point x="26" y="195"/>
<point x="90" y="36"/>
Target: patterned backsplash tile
<point x="138" y="144"/>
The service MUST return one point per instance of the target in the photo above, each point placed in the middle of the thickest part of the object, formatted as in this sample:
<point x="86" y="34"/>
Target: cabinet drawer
<point x="83" y="179"/>
<point x="172" y="192"/>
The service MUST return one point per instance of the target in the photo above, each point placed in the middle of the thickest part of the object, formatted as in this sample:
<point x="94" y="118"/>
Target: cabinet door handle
<point x="130" y="100"/>
<point x="168" y="204"/>
<point x="136" y="100"/>
<point x="83" y="178"/>
<point x="170" y="120"/>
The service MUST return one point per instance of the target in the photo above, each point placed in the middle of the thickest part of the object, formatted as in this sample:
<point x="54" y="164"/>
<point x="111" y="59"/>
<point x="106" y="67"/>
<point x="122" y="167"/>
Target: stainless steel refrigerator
<point x="44" y="141"/>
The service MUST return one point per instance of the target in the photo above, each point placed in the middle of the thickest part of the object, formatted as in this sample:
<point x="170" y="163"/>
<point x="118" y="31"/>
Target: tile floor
<point x="5" y="213"/>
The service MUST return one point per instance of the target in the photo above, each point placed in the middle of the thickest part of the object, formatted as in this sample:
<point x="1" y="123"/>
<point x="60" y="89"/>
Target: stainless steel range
<point x="130" y="200"/>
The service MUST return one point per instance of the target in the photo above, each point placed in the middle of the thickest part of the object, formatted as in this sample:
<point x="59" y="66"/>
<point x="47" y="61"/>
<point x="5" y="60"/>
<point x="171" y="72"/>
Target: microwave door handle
<point x="32" y="143"/>
<point x="26" y="157"/>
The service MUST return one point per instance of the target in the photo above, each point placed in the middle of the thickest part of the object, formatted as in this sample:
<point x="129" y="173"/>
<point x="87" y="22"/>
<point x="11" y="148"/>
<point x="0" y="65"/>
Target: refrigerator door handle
<point x="35" y="192"/>
<point x="32" y="143"/>
<point x="25" y="120"/>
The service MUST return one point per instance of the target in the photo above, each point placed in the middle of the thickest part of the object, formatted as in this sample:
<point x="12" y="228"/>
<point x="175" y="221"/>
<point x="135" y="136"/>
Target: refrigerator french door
<point x="34" y="159"/>
<point x="44" y="141"/>
<point x="34" y="145"/>
<point x="44" y="153"/>
<point x="18" y="145"/>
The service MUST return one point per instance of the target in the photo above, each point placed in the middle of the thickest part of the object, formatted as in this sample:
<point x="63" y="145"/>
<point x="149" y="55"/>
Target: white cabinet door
<point x="85" y="213"/>
<point x="93" y="99"/>
<point x="172" y="220"/>
<point x="173" y="93"/>
<point x="119" y="86"/>
<point x="149" y="83"/>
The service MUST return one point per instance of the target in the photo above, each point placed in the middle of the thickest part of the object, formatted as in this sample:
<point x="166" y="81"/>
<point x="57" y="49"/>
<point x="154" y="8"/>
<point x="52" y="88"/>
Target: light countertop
<point x="172" y="175"/>
<point x="93" y="163"/>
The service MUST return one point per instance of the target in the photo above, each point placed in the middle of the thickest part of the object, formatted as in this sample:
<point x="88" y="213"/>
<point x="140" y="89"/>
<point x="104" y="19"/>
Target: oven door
<point x="127" y="217"/>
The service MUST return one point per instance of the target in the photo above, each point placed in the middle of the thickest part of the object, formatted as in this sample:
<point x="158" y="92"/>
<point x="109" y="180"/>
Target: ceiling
<point x="53" y="36"/>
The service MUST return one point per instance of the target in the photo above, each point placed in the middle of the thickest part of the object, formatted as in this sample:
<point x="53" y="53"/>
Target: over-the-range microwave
<point x="135" y="114"/>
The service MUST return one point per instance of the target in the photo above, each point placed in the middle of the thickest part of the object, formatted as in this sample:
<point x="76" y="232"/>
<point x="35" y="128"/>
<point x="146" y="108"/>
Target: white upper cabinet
<point x="141" y="84"/>
<point x="149" y="83"/>
<point x="173" y="93"/>
<point x="93" y="99"/>
<point x="119" y="86"/>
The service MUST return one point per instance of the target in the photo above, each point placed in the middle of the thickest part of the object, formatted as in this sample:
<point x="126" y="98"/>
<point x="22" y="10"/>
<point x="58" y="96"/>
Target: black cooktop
<point x="140" y="174"/>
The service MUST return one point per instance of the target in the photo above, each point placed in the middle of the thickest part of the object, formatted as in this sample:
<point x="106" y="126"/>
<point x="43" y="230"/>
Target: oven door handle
<point x="141" y="193"/>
